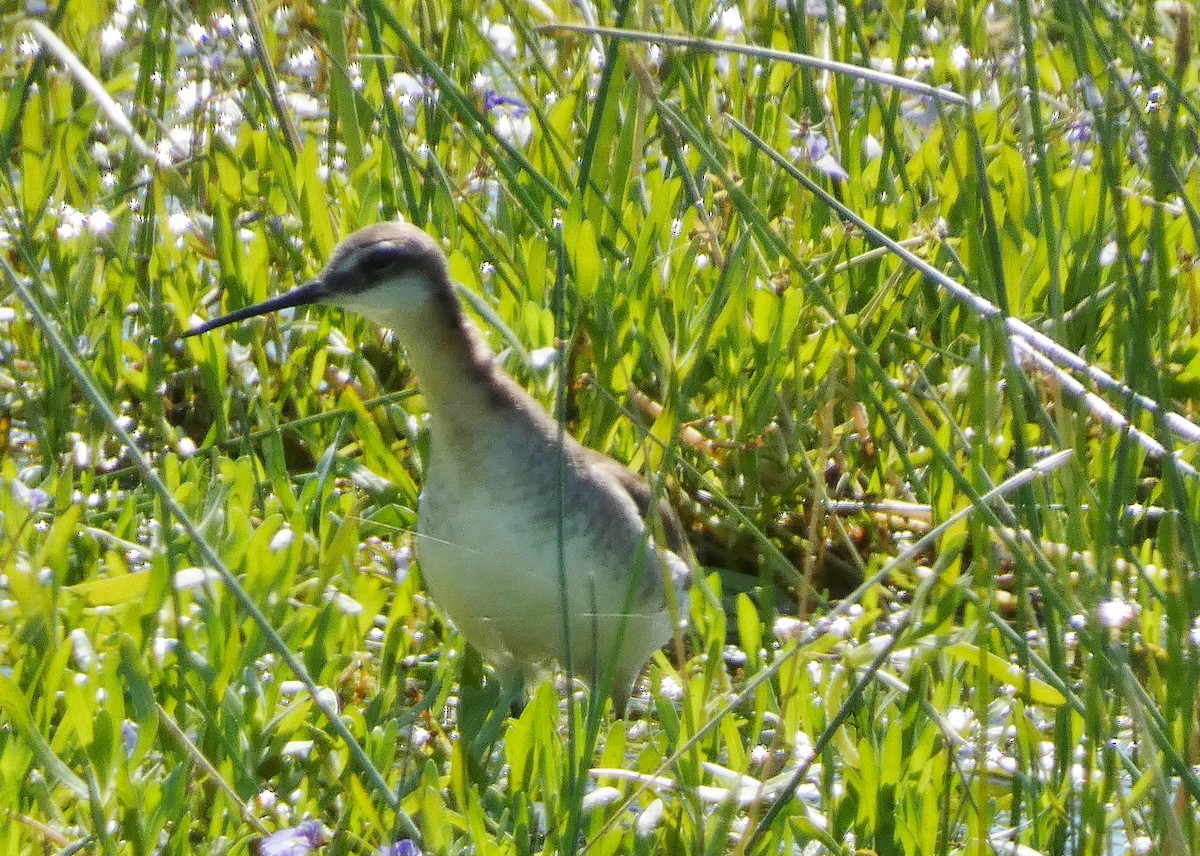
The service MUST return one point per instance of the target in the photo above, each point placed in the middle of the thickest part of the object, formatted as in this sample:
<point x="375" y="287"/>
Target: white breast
<point x="488" y="548"/>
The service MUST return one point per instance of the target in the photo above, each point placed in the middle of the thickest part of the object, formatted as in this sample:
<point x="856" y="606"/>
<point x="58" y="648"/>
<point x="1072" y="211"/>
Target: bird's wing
<point x="643" y="497"/>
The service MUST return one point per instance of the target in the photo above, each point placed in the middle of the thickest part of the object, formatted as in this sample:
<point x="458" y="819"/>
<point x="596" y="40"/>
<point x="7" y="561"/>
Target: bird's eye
<point x="377" y="261"/>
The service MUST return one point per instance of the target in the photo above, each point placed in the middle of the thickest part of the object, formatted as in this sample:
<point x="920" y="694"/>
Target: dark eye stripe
<point x="378" y="259"/>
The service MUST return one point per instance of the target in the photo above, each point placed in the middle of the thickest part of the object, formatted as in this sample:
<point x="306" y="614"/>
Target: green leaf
<point x="16" y="706"/>
<point x="111" y="591"/>
<point x="1007" y="673"/>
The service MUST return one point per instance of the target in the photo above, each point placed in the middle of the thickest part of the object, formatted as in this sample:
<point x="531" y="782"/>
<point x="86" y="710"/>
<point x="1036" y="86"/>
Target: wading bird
<point x="511" y="505"/>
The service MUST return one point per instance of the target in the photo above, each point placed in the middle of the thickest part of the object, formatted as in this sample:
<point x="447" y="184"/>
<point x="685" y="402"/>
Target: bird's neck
<point x="457" y="375"/>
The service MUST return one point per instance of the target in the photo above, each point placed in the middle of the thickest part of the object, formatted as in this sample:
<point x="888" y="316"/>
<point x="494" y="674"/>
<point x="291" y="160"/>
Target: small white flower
<point x="164" y="152"/>
<point x="599" y="798"/>
<point x="1115" y="614"/>
<point x="917" y="63"/>
<point x="327" y="700"/>
<point x="112" y="39"/>
<point x="71" y="223"/>
<point x="162" y="646"/>
<point x="299" y="749"/>
<point x="403" y="83"/>
<point x="871" y="147"/>
<point x="504" y="40"/>
<point x="787" y="629"/>
<point x="730" y="22"/>
<point x="542" y="358"/>
<point x="282" y="539"/>
<point x="82" y="650"/>
<point x="517" y="130"/>
<point x="960" y="57"/>
<point x="180" y="224"/>
<point x="192" y="94"/>
<point x="198" y="36"/>
<point x="191" y="578"/>
<point x="304" y="63"/>
<point x="28" y="46"/>
<point x="81" y="453"/>
<point x="841" y="627"/>
<point x="671" y="689"/>
<point x="649" y="820"/>
<point x="1108" y="254"/>
<point x="344" y="604"/>
<point x="305" y="106"/>
<point x="99" y="222"/>
<point x="960" y="720"/>
<point x="282" y="20"/>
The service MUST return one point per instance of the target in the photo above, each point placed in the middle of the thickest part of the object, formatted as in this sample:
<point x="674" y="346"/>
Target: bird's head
<point x="391" y="273"/>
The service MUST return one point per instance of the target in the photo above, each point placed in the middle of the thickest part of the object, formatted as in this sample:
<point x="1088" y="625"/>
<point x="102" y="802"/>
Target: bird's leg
<point x="512" y="698"/>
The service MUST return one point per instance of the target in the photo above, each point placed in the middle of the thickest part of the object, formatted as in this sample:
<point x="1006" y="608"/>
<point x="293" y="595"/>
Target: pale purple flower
<point x="129" y="737"/>
<point x="510" y="117"/>
<point x="400" y="848"/>
<point x="282" y="20"/>
<point x="822" y="158"/>
<point x="813" y="146"/>
<point x="296" y="840"/>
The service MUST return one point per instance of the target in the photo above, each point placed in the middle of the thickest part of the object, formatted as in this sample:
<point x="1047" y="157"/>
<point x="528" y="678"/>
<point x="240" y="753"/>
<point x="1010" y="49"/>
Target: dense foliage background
<point x="912" y="348"/>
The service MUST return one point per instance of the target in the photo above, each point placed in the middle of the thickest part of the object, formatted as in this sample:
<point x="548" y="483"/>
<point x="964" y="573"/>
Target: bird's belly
<point x="493" y="567"/>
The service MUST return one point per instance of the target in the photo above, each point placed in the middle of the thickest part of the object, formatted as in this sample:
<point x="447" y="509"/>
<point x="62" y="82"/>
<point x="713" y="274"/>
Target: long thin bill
<point x="304" y="295"/>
